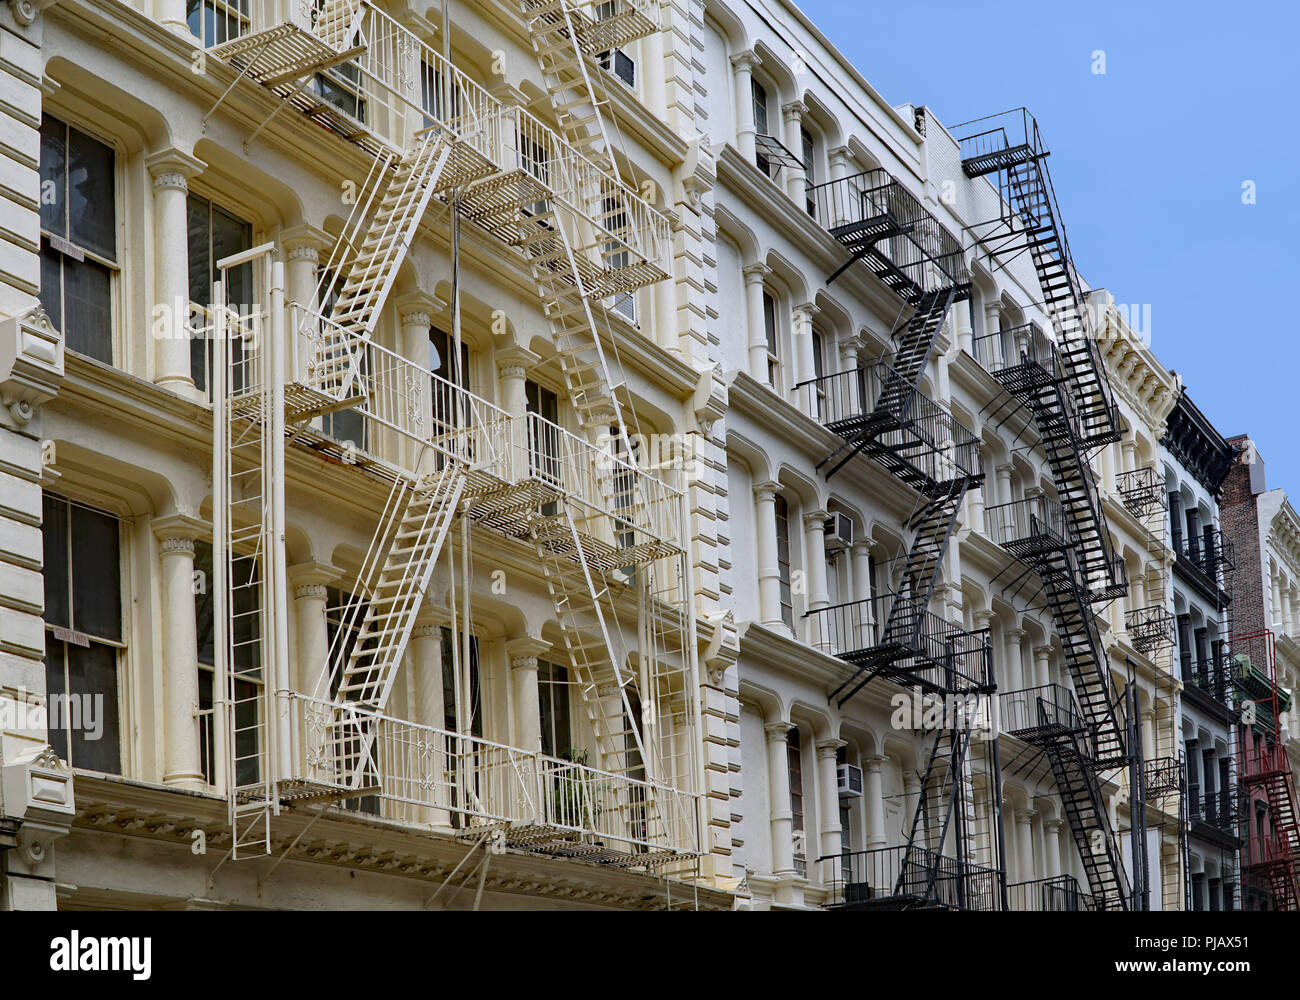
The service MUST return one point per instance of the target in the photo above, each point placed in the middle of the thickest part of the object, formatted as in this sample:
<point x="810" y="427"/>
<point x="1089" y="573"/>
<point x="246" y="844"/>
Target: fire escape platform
<point x="998" y="159"/>
<point x="282" y="53"/>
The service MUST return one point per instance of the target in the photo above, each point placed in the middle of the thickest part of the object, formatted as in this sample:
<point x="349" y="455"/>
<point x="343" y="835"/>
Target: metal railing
<point x="889" y="873"/>
<point x="1217" y="808"/>
<point x="942" y="655"/>
<point x="1040" y="711"/>
<point x="1210" y="552"/>
<point x="1059" y="894"/>
<point x="639" y="502"/>
<point x="1036" y="523"/>
<point x="874" y="207"/>
<point x="1213" y="676"/>
<point x="432" y="777"/>
<point x="1026" y="350"/>
<point x="921" y="431"/>
<point x="1142" y="491"/>
<point x="1149" y="628"/>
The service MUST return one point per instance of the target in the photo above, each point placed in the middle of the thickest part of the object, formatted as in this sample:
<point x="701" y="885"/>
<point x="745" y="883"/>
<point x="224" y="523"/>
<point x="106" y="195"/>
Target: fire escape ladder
<point x="1084" y="655"/>
<point x="934" y="527"/>
<point x="939" y="810"/>
<point x="564" y="46"/>
<point x="912" y="346"/>
<point x="371" y="249"/>
<point x="395" y="577"/>
<point x="1085" y="809"/>
<point x="584" y="608"/>
<point x="1076" y="486"/>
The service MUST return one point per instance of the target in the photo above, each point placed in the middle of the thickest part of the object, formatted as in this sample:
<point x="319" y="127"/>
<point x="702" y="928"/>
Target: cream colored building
<point x="607" y="674"/>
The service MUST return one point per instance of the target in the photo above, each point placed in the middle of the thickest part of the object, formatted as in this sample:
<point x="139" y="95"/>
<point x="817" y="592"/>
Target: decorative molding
<point x="31" y="363"/>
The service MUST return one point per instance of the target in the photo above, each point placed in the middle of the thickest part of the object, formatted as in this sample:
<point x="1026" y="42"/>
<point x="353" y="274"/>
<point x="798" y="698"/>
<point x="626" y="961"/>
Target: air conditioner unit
<point x="839" y="532"/>
<point x="849" y="780"/>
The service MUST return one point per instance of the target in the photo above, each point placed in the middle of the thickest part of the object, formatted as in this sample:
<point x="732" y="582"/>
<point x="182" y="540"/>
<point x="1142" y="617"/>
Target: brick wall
<point x="1239" y="517"/>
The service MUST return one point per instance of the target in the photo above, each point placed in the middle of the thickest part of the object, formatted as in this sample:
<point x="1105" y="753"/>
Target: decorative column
<point x="841" y="162"/>
<point x="847" y="402"/>
<point x="310" y="599"/>
<point x="1015" y="660"/>
<point x="182" y="763"/>
<point x="742" y="64"/>
<point x="171" y="170"/>
<point x="837" y="204"/>
<point x="992" y="324"/>
<point x="829" y="797"/>
<point x="429" y="401"/>
<point x="861" y="555"/>
<point x="792" y="114"/>
<point x="803" y="347"/>
<point x="961" y="318"/>
<point x="1288" y="624"/>
<point x="303" y="245"/>
<point x="1025" y="842"/>
<point x="875" y="801"/>
<point x="769" y="571"/>
<point x="1052" y="845"/>
<point x="1148" y="734"/>
<point x="781" y="816"/>
<point x="755" y="275"/>
<point x="1004" y="495"/>
<point x="424" y="655"/>
<point x="814" y="533"/>
<point x="1042" y="665"/>
<point x="171" y="14"/>
<point x="513" y="366"/>
<point x="523" y="653"/>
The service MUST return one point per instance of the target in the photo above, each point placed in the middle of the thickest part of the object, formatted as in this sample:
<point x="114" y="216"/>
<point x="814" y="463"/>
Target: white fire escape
<point x="607" y="532"/>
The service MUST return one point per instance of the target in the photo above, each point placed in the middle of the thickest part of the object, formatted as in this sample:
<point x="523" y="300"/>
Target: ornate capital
<point x="306" y="590"/>
<point x="794" y="111"/>
<point x="416" y="318"/>
<point x="830" y="747"/>
<point x="427" y="630"/>
<point x="177" y="545"/>
<point x="305" y="251"/>
<point x="523" y="663"/>
<point x="765" y="491"/>
<point x="513" y="371"/>
<point x="746" y="60"/>
<point x="815" y="520"/>
<point x="172" y="168"/>
<point x="25" y="11"/>
<point x="755" y="274"/>
<point x="776" y="731"/>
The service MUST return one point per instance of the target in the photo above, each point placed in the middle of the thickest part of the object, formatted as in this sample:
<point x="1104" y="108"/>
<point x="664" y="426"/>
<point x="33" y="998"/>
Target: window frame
<point x="114" y="267"/>
<point x="781" y="509"/>
<point x="64" y="636"/>
<point x="772" y="334"/>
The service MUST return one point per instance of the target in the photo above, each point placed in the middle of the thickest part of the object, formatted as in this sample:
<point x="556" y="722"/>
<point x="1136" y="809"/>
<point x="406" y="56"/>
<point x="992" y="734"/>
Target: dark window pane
<point x="197" y="214"/>
<point x="96" y="580"/>
<point x="449" y="684"/>
<point x="55" y="687"/>
<point x="207" y="738"/>
<point x="54" y="165"/>
<point x="52" y="283"/>
<point x="247" y="714"/>
<point x="203" y="608"/>
<point x="91" y="215"/>
<point x="92" y="678"/>
<point x="54" y="532"/>
<point x="89" y="325"/>
<point x="230" y="236"/>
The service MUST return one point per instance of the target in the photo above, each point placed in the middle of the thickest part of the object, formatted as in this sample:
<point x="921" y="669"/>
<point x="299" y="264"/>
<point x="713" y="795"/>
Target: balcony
<point x="910" y="648"/>
<point x="1217" y="809"/>
<point x="1149" y="629"/>
<point x="911" y="435"/>
<point x="1212" y="676"/>
<point x="1142" y="491"/>
<point x="1061" y="894"/>
<point x="429" y="778"/>
<point x="1209" y="556"/>
<point x="1022" y="359"/>
<point x="884" y="225"/>
<point x="1028" y="528"/>
<point x="902" y="878"/>
<point x="1041" y="713"/>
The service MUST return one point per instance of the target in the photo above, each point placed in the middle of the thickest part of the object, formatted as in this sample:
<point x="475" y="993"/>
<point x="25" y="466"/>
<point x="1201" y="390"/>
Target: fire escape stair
<point x="938" y="819"/>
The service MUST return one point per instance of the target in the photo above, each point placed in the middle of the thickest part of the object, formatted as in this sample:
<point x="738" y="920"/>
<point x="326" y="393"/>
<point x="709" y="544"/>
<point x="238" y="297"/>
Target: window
<point x="808" y="151"/>
<point x="794" y="762"/>
<point x="620" y="64"/>
<point x="553" y="702"/>
<point x="347" y="426"/>
<point x="544" y="438"/>
<point x="78" y="237"/>
<point x="449" y="685"/>
<point x="213" y="235"/>
<point x="441" y="362"/>
<point x="83" y="619"/>
<point x="246" y="665"/>
<point x="783" y="558"/>
<point x="216" y="21"/>
<point x="819" y="370"/>
<point x="340" y="87"/>
<point x="614" y="218"/>
<point x="769" y="330"/>
<point x="433" y="96"/>
<point x="758" y="97"/>
<point x="345" y="612"/>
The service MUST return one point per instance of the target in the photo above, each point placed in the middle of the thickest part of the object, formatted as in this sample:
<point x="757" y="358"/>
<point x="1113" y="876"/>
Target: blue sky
<point x="1148" y="161"/>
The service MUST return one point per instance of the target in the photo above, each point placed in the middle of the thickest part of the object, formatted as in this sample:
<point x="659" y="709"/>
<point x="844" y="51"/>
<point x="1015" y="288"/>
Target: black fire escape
<point x="952" y="857"/>
<point x="1061" y="381"/>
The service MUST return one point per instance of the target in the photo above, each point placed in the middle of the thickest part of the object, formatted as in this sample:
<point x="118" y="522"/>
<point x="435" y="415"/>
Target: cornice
<point x="165" y="815"/>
